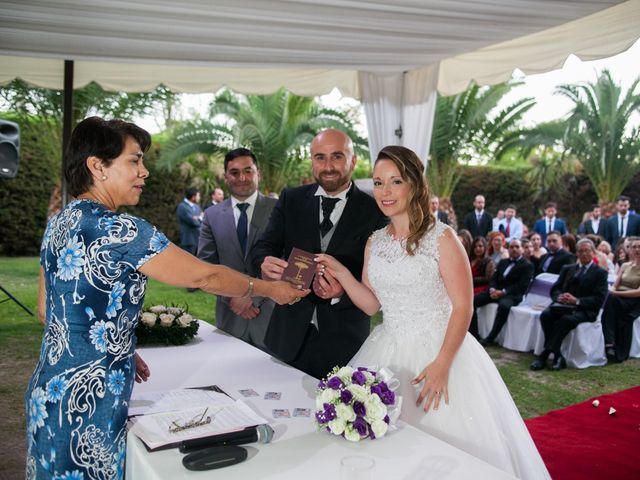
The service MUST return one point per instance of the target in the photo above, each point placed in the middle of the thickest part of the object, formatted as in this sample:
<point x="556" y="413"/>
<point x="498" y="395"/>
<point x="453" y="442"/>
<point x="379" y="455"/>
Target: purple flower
<point x="335" y="383"/>
<point x="361" y="426"/>
<point x="322" y="385"/>
<point x="386" y="419"/>
<point x="358" y="378"/>
<point x="329" y="411"/>
<point x="372" y="435"/>
<point x="320" y="417"/>
<point x="388" y="397"/>
<point x="359" y="409"/>
<point x="346" y="396"/>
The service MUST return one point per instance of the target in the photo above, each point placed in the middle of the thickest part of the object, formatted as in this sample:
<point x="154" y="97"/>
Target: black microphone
<point x="258" y="434"/>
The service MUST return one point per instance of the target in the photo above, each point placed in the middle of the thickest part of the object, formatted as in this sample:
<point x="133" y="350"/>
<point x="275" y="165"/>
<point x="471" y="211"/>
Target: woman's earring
<point x="104" y="177"/>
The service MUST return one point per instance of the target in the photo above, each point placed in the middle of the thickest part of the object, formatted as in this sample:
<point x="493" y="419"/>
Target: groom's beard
<point x="332" y="184"/>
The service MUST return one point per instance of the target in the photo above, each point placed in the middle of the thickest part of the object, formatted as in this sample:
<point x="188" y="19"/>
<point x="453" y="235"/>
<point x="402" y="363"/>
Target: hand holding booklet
<point x="164" y="421"/>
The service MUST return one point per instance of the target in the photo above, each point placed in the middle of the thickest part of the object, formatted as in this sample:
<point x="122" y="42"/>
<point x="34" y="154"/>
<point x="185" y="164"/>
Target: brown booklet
<point x="301" y="268"/>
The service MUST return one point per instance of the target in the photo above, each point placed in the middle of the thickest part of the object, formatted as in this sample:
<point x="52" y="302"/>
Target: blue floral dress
<point x="78" y="396"/>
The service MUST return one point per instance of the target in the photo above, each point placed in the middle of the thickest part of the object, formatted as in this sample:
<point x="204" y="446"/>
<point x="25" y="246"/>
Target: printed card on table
<point x="281" y="413"/>
<point x="248" y="392"/>
<point x="272" y="395"/>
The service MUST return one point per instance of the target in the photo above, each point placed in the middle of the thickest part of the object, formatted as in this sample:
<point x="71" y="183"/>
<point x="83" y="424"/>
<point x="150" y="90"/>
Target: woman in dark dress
<point x="482" y="267"/>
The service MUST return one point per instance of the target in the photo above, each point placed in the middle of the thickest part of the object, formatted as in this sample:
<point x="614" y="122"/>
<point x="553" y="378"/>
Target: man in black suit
<point x="557" y="257"/>
<point x="595" y="224"/>
<point x="324" y="329"/>
<point x="478" y="222"/>
<point x="623" y="224"/>
<point x="506" y="288"/>
<point x="435" y="209"/>
<point x="577" y="297"/>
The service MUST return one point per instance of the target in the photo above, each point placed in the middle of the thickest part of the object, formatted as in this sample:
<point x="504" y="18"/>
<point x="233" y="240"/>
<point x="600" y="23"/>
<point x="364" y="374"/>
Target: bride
<point x="417" y="271"/>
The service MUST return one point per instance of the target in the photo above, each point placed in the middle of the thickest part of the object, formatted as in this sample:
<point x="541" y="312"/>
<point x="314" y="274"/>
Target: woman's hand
<point x="142" y="370"/>
<point x="436" y="379"/>
<point x="283" y="292"/>
<point x="333" y="266"/>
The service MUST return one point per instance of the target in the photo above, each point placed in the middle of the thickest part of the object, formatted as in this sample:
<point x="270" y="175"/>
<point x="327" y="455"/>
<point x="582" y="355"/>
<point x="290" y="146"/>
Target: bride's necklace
<point x="396" y="237"/>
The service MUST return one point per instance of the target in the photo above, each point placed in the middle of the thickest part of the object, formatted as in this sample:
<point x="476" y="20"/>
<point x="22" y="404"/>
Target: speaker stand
<point x="11" y="297"/>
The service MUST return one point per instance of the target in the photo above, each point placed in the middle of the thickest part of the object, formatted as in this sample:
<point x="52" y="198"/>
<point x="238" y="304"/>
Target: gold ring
<point x="295" y="301"/>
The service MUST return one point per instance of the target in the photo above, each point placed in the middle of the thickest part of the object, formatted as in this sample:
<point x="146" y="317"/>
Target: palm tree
<point x="277" y="128"/>
<point x="470" y="126"/>
<point x="599" y="133"/>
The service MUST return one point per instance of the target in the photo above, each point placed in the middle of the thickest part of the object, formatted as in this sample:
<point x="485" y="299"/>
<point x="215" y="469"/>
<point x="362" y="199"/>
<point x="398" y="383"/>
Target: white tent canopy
<point x="392" y="55"/>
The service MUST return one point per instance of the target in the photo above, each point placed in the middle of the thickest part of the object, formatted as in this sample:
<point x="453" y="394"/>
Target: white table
<point x="297" y="451"/>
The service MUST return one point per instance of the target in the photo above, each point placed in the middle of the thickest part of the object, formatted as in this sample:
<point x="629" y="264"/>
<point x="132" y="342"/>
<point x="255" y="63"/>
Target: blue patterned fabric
<point x="78" y="396"/>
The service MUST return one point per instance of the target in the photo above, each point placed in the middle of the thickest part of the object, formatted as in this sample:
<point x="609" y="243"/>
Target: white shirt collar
<point x="320" y="192"/>
<point x="251" y="200"/>
<point x="189" y="202"/>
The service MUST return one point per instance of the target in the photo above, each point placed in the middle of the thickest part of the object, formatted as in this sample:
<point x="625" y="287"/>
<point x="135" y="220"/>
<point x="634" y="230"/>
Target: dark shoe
<point x="539" y="363"/>
<point x="487" y="342"/>
<point x="611" y="353"/>
<point x="559" y="363"/>
<point x="191" y="290"/>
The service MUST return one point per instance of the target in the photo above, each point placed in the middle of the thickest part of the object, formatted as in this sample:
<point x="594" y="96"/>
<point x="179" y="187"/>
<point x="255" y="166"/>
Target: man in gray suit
<point x="228" y="233"/>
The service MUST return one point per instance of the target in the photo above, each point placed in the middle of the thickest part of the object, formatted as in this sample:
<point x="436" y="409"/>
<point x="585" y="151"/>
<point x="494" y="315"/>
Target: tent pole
<point x="67" y="120"/>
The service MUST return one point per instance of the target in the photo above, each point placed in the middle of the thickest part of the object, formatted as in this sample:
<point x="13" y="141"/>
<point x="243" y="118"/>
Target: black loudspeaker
<point x="9" y="148"/>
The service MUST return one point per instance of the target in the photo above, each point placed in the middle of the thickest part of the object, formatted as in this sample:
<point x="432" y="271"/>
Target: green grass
<point x="535" y="393"/>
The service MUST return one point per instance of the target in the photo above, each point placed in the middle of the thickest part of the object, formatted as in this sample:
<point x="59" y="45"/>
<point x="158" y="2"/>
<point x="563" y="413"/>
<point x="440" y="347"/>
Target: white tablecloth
<point x="297" y="450"/>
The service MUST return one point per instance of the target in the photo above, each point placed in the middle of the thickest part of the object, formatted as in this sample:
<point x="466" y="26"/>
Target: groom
<point x="324" y="329"/>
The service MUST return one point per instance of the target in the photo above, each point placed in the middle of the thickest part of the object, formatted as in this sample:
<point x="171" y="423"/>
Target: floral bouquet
<point x="166" y="326"/>
<point x="357" y="403"/>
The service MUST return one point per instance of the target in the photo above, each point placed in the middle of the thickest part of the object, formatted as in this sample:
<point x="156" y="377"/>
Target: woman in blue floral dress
<point x="94" y="267"/>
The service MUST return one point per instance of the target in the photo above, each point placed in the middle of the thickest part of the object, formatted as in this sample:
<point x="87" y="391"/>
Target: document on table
<point x="168" y="429"/>
<point x="148" y="403"/>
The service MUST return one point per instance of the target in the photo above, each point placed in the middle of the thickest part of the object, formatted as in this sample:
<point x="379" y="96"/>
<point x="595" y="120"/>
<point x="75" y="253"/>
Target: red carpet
<point x="583" y="442"/>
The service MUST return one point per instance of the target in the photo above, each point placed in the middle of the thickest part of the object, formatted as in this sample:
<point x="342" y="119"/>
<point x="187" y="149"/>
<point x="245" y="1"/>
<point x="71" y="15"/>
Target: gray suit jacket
<point x="219" y="245"/>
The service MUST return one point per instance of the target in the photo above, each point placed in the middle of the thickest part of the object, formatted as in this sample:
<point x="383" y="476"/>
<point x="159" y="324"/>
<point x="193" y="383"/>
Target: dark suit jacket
<point x="611" y="235"/>
<point x="189" y="227"/>
<point x="219" y="245"/>
<point x="561" y="258"/>
<point x="541" y="227"/>
<point x="295" y="223"/>
<point x="590" y="290"/>
<point x="443" y="217"/>
<point x="478" y="229"/>
<point x="585" y="228"/>
<point x="516" y="282"/>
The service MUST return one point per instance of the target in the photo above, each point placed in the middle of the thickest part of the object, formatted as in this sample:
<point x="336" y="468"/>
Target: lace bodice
<point x="410" y="289"/>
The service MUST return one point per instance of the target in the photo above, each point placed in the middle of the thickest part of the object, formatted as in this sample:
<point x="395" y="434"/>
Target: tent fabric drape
<point x="419" y="109"/>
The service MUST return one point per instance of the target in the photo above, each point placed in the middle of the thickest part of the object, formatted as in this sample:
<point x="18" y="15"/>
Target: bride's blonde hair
<point x="421" y="219"/>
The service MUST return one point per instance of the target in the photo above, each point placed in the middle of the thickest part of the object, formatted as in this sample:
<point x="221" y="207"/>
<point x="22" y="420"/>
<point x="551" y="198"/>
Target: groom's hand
<point x="272" y="268"/>
<point x="326" y="286"/>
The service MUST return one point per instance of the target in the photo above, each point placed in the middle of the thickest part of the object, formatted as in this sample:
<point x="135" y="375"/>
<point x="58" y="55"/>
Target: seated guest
<point x="478" y="222"/>
<point x="506" y="288"/>
<point x="569" y="242"/>
<point x="439" y="214"/>
<point x="497" y="250"/>
<point x="605" y="247"/>
<point x="577" y="297"/>
<point x="510" y="226"/>
<point x="600" y="258"/>
<point x="595" y="224"/>
<point x="620" y="257"/>
<point x="527" y="252"/>
<point x="550" y="223"/>
<point x="557" y="257"/>
<point x="622" y="307"/>
<point x="466" y="239"/>
<point x="482" y="267"/>
<point x="536" y="243"/>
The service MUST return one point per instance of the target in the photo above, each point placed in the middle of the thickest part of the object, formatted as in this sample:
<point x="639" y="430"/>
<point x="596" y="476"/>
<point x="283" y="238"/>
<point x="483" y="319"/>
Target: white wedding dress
<point x="481" y="417"/>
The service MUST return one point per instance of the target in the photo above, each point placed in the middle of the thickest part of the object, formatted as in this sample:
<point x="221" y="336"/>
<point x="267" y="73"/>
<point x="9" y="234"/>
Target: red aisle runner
<point x="584" y="442"/>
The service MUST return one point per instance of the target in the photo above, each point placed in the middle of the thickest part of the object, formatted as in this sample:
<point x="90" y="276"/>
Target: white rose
<point x="351" y="434"/>
<point x="376" y="410"/>
<point x="185" y="320"/>
<point x="319" y="402"/>
<point x="149" y="318"/>
<point x="345" y="412"/>
<point x="345" y="374"/>
<point x="329" y="395"/>
<point x="379" y="428"/>
<point x="359" y="392"/>
<point x="158" y="309"/>
<point x="369" y="379"/>
<point x="337" y="426"/>
<point x="175" y="311"/>
<point x="166" y="319"/>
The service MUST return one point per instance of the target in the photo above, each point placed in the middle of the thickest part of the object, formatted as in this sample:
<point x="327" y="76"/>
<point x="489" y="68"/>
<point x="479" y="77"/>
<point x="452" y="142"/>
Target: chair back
<point x="539" y="293"/>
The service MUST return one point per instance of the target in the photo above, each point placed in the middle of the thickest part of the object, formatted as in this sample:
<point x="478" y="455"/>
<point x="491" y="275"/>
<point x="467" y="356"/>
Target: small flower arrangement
<point x="356" y="403"/>
<point x="160" y="325"/>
